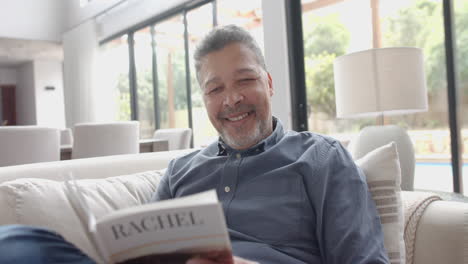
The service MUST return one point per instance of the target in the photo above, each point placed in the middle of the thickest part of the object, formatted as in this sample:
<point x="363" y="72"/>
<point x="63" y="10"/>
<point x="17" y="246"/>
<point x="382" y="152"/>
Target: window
<point x="461" y="31"/>
<point x="167" y="92"/>
<point x="144" y="76"/>
<point x="331" y="30"/>
<point x="244" y="13"/>
<point x="419" y="23"/>
<point x="171" y="72"/>
<point x="114" y="73"/>
<point x="199" y="21"/>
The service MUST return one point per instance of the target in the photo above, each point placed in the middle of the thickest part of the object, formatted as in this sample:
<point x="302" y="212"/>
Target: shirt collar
<point x="265" y="144"/>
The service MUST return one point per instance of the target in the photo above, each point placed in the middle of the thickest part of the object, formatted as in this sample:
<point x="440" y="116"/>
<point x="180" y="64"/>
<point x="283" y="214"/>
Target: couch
<point x="441" y="235"/>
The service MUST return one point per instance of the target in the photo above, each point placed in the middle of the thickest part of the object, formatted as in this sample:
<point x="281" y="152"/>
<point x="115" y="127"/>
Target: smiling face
<point x="237" y="93"/>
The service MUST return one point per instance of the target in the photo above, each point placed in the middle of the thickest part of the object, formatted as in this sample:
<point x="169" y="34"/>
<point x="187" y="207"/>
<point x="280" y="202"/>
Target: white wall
<point x="276" y="56"/>
<point x="34" y="104"/>
<point x="7" y="76"/>
<point x="50" y="109"/>
<point x="80" y="54"/>
<point x="32" y="19"/>
<point x="25" y="95"/>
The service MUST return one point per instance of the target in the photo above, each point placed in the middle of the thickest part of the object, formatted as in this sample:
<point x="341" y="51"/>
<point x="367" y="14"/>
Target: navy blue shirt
<point x="292" y="198"/>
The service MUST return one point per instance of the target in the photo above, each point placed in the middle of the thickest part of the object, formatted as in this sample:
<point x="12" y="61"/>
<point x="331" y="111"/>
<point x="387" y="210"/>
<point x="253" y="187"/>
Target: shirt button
<point x="238" y="155"/>
<point x="227" y="189"/>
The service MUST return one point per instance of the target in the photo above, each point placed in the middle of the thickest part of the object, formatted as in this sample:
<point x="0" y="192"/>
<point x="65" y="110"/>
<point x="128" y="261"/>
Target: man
<point x="288" y="197"/>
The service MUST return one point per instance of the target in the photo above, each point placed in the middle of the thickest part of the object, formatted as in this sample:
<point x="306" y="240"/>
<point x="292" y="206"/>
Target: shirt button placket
<point x="229" y="182"/>
<point x="233" y="179"/>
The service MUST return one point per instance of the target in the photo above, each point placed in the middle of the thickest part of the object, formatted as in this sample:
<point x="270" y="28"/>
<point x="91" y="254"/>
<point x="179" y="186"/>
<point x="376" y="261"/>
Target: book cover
<point x="170" y="231"/>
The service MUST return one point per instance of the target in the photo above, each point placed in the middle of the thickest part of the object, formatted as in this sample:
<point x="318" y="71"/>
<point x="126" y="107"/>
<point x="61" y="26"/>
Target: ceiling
<point x="14" y="52"/>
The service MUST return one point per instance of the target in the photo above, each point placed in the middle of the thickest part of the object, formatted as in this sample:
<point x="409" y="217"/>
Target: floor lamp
<point x="380" y="82"/>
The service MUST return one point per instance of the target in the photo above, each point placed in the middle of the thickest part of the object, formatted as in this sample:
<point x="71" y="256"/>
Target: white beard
<point x="245" y="138"/>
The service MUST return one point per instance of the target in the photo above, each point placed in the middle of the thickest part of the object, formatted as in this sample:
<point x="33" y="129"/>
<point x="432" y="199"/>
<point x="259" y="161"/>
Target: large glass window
<point x="461" y="31"/>
<point x="199" y="21"/>
<point x="144" y="74"/>
<point x="331" y="30"/>
<point x="172" y="89"/>
<point x="169" y="90"/>
<point x="419" y="23"/>
<point x="114" y="68"/>
<point x="328" y="32"/>
<point x="244" y="13"/>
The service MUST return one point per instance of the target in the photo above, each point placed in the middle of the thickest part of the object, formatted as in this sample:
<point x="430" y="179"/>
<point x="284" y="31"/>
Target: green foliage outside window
<point x="123" y="88"/>
<point x="325" y="38"/>
<point x="179" y="84"/>
<point x="461" y="26"/>
<point x="418" y="25"/>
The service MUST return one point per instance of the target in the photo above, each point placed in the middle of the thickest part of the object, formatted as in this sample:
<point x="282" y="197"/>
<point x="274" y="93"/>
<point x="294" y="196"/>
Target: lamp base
<point x="372" y="137"/>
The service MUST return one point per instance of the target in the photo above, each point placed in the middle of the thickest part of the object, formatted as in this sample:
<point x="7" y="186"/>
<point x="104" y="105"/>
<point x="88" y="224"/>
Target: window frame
<point x="181" y="9"/>
<point x="297" y="76"/>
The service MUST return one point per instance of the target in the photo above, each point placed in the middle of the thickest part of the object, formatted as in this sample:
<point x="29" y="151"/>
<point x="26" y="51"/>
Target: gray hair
<point x="220" y="37"/>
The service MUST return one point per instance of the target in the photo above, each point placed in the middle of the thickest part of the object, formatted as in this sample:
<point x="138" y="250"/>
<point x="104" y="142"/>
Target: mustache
<point x="229" y="111"/>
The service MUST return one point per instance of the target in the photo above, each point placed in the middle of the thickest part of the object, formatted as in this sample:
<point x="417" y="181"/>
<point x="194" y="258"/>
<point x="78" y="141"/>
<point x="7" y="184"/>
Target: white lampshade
<point x="380" y="81"/>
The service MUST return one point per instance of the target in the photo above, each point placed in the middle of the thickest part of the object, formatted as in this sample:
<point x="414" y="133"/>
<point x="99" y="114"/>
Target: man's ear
<point x="270" y="85"/>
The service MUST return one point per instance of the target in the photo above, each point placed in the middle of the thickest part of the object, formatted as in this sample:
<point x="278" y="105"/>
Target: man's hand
<point x="235" y="260"/>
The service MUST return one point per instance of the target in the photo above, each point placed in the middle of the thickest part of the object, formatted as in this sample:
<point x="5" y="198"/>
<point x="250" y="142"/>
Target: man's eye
<point x="247" y="80"/>
<point x="214" y="90"/>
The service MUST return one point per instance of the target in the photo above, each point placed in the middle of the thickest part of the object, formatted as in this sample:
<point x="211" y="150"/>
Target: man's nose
<point x="233" y="98"/>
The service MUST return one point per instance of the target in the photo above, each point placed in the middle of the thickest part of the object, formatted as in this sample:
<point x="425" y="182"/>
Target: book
<point x="170" y="231"/>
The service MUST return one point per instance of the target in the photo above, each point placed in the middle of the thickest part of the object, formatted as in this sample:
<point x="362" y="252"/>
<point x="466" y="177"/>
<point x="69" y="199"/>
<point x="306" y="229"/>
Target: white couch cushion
<point x="92" y="168"/>
<point x="44" y="203"/>
<point x="382" y="169"/>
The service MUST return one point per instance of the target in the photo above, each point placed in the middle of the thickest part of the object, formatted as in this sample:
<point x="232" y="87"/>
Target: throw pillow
<point x="382" y="169"/>
<point x="44" y="203"/>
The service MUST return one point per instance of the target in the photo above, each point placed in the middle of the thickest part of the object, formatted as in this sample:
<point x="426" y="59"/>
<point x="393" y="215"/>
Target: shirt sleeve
<point x="348" y="227"/>
<point x="163" y="192"/>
